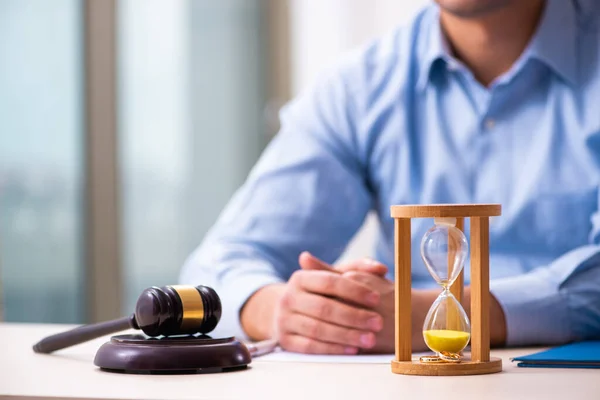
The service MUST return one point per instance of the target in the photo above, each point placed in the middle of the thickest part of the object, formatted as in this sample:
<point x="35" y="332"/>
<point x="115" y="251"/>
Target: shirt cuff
<point x="536" y="312"/>
<point x="238" y="291"/>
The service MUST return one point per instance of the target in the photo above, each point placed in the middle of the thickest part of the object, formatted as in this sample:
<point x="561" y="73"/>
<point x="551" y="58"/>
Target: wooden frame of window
<point x="103" y="256"/>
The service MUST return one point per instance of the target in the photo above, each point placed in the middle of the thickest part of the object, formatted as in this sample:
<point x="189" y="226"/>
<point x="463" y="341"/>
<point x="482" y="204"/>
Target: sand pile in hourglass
<point x="444" y="249"/>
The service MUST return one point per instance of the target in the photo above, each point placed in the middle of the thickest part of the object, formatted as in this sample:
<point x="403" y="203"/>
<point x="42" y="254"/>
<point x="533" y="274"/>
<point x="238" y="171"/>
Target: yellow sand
<point x="446" y="340"/>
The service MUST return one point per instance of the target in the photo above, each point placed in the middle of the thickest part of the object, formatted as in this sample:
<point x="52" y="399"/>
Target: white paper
<point x="285" y="356"/>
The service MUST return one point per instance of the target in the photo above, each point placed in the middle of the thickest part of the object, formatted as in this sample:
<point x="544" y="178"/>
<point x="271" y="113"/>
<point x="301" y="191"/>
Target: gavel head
<point x="177" y="310"/>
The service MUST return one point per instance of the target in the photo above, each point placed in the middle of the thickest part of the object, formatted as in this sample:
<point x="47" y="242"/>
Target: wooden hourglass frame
<point x="479" y="361"/>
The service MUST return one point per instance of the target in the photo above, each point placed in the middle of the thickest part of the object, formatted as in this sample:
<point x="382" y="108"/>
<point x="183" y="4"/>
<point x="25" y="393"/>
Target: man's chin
<point x="471" y="9"/>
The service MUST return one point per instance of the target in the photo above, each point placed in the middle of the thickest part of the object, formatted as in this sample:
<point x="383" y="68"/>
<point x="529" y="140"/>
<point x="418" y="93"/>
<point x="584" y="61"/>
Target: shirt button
<point x="489" y="123"/>
<point x="452" y="66"/>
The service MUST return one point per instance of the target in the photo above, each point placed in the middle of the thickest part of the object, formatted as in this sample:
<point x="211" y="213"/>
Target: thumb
<point x="309" y="262"/>
<point x="364" y="265"/>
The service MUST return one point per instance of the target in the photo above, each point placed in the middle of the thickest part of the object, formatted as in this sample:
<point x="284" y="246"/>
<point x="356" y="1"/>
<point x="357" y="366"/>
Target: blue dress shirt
<point x="401" y="121"/>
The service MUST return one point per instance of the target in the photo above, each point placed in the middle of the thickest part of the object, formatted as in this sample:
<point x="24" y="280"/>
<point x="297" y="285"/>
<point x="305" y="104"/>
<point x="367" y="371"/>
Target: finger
<point x="333" y="311"/>
<point x="302" y="344"/>
<point x="335" y="285"/>
<point x="309" y="262"/>
<point x="365" y="265"/>
<point x="377" y="283"/>
<point x="323" y="331"/>
<point x="371" y="281"/>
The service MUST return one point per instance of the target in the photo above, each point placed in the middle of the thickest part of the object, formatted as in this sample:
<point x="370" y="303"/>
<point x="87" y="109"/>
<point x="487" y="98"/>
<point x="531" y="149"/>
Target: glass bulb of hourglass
<point x="444" y="249"/>
<point x="446" y="326"/>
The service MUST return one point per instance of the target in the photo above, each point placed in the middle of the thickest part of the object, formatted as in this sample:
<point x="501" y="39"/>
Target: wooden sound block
<point x="171" y="355"/>
<point x="465" y="367"/>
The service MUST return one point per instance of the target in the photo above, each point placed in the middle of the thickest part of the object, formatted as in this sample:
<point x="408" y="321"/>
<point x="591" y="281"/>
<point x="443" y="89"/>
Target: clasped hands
<point x="343" y="310"/>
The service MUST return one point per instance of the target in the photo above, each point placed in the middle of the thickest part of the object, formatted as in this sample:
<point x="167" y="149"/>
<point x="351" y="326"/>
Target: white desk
<point x="70" y="373"/>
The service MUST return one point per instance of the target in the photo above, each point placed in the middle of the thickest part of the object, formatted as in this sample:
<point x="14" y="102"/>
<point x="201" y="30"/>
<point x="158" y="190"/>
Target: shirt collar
<point x="553" y="43"/>
<point x="434" y="48"/>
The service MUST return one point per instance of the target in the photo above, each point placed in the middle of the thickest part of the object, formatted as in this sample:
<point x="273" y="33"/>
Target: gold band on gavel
<point x="193" y="307"/>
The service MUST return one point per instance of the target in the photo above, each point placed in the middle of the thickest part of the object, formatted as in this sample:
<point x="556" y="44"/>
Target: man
<point x="475" y="101"/>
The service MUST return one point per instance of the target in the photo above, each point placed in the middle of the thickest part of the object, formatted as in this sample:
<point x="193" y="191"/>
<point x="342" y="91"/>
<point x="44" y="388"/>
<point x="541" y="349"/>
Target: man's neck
<point x="491" y="44"/>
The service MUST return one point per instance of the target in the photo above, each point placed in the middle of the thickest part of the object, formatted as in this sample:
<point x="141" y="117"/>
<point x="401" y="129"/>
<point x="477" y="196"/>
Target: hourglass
<point x="447" y="329"/>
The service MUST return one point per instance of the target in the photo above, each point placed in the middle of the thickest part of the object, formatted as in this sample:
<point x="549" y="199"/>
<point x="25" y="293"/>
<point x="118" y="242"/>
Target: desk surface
<point x="70" y="373"/>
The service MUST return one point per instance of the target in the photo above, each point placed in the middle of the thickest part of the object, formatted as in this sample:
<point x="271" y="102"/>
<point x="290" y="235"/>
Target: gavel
<point x="160" y="311"/>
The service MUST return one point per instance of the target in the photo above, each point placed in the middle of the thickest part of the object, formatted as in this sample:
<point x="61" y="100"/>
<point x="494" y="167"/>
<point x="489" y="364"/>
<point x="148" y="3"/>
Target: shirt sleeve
<point x="307" y="192"/>
<point x="556" y="303"/>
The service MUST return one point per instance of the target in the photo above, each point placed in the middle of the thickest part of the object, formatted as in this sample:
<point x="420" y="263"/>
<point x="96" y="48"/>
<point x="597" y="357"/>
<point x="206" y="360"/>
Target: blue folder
<point x="574" y="355"/>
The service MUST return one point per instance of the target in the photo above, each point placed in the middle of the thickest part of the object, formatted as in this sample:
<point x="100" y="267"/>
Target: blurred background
<point x="126" y="125"/>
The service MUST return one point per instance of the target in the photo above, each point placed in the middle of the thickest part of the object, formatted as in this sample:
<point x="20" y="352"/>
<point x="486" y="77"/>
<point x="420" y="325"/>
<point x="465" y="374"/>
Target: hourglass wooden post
<point x="479" y="360"/>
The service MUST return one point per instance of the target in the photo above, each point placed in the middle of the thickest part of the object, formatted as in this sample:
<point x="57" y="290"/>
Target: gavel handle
<point x="83" y="334"/>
